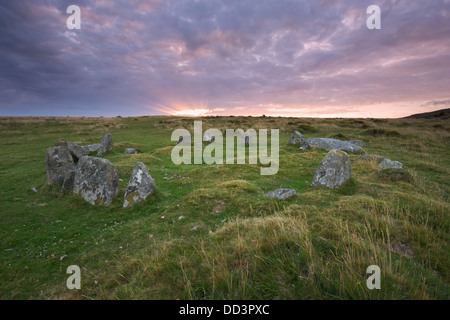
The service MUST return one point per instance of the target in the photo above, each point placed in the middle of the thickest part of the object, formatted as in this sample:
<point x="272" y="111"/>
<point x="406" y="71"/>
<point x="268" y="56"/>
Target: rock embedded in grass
<point x="330" y="144"/>
<point x="130" y="151"/>
<point x="334" y="170"/>
<point x="141" y="185"/>
<point x="58" y="162"/>
<point x="298" y="139"/>
<point x="390" y="164"/>
<point x="281" y="194"/>
<point x="96" y="180"/>
<point x="371" y="157"/>
<point x="384" y="163"/>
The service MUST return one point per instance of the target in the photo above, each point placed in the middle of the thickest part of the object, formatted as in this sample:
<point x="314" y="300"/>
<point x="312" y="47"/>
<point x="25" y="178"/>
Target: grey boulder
<point x="330" y="144"/>
<point x="140" y="186"/>
<point x="96" y="181"/>
<point x="281" y="194"/>
<point x="58" y="162"/>
<point x="76" y="151"/>
<point x="298" y="139"/>
<point x="334" y="170"/>
<point x="91" y="147"/>
<point x="69" y="178"/>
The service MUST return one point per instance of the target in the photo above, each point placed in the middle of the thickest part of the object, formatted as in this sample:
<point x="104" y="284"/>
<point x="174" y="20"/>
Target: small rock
<point x="130" y="151"/>
<point x="281" y="194"/>
<point x="390" y="164"/>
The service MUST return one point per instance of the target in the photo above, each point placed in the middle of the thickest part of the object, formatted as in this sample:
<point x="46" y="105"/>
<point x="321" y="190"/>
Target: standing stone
<point x="298" y="139"/>
<point x="58" y="162"/>
<point x="96" y="180"/>
<point x="141" y="185"/>
<point x="76" y="151"/>
<point x="69" y="178"/>
<point x="334" y="170"/>
<point x="107" y="144"/>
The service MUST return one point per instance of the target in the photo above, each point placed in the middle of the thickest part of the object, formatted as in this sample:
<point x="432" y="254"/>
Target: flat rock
<point x="96" y="180"/>
<point x="357" y="142"/>
<point x="372" y="157"/>
<point x="58" y="162"/>
<point x="331" y="144"/>
<point x="281" y="194"/>
<point x="298" y="139"/>
<point x="130" y="151"/>
<point x="106" y="144"/>
<point x="92" y="147"/>
<point x="390" y="164"/>
<point x="334" y="170"/>
<point x="141" y="185"/>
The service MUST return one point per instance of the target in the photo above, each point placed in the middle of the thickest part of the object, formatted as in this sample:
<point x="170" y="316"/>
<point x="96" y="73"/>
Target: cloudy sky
<point x="221" y="57"/>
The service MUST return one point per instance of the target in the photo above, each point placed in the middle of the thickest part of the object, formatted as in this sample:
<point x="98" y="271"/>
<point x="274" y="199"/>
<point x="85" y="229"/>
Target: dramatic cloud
<point x="200" y="57"/>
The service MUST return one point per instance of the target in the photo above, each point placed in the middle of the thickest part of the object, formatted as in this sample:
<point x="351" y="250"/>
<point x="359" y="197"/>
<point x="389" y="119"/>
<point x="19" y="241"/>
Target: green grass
<point x="316" y="245"/>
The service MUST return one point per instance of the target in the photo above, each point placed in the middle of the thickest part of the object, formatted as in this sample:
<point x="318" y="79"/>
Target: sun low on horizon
<point x="216" y="58"/>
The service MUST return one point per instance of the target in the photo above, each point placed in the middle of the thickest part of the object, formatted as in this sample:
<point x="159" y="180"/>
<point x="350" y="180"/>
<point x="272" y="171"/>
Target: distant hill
<point x="438" y="114"/>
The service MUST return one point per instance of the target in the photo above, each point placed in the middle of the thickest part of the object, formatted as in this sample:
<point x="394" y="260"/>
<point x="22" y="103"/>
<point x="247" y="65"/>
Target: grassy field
<point x="316" y="245"/>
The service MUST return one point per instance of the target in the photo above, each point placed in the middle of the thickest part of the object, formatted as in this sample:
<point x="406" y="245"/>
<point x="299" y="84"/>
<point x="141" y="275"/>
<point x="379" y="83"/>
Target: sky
<point x="224" y="57"/>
